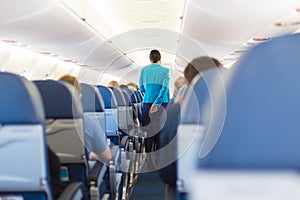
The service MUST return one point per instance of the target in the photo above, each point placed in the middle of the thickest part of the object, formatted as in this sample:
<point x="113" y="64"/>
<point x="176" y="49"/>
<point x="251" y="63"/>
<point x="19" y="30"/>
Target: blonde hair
<point x="113" y="84"/>
<point x="72" y="80"/>
<point x="133" y="85"/>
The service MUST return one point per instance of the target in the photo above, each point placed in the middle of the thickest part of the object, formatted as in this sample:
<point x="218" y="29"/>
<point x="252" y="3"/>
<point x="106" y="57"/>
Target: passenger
<point x="179" y="82"/>
<point x="168" y="174"/>
<point x="133" y="85"/>
<point x="122" y="86"/>
<point x="114" y="84"/>
<point x="94" y="143"/>
<point x="194" y="68"/>
<point x="199" y="65"/>
<point x="154" y="82"/>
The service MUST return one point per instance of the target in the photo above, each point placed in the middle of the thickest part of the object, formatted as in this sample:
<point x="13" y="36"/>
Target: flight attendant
<point x="154" y="83"/>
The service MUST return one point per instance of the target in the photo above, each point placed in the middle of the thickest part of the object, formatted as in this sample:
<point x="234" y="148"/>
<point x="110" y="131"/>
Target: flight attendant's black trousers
<point x="152" y="123"/>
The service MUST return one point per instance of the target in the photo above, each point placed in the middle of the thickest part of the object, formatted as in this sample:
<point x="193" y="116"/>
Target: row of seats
<point x="24" y="171"/>
<point x="53" y="107"/>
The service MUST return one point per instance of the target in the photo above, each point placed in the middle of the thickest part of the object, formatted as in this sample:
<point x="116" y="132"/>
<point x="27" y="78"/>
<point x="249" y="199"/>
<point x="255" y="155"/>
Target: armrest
<point x="97" y="173"/>
<point x="72" y="191"/>
<point x="124" y="142"/>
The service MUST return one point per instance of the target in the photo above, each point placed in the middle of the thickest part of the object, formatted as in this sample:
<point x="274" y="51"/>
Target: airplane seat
<point x="134" y="100"/>
<point x="139" y="103"/>
<point x="111" y="114"/>
<point x="93" y="109"/>
<point x="112" y="127"/>
<point x="129" y="110"/>
<point x="64" y="128"/>
<point x="122" y="117"/>
<point x="255" y="156"/>
<point x="93" y="106"/>
<point x="129" y="114"/>
<point x="24" y="170"/>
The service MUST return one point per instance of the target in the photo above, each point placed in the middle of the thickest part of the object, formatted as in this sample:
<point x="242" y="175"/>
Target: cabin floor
<point x="148" y="187"/>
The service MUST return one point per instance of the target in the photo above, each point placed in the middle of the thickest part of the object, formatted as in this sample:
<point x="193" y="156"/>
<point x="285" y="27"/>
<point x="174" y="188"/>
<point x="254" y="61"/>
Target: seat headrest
<point x="91" y="99"/>
<point x="107" y="96"/>
<point x="20" y="101"/>
<point x="61" y="100"/>
<point x="119" y="96"/>
<point x="261" y="129"/>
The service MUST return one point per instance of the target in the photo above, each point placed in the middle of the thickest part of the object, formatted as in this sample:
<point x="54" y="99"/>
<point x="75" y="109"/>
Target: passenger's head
<point x="131" y="84"/>
<point x="199" y="65"/>
<point x="155" y="56"/>
<point x="122" y="86"/>
<point x="114" y="84"/>
<point x="179" y="82"/>
<point x="72" y="80"/>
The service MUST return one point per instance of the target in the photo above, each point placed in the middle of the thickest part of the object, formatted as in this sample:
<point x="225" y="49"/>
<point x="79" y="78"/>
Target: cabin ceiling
<point x="115" y="36"/>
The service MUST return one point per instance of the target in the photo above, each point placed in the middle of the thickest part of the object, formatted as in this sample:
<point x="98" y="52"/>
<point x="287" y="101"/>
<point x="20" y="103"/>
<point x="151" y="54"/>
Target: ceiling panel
<point x="229" y="24"/>
<point x="117" y="16"/>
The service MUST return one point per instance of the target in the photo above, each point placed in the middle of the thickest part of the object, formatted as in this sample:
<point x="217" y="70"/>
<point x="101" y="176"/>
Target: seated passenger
<point x="96" y="144"/>
<point x="168" y="174"/>
<point x="179" y="82"/>
<point x="131" y="84"/>
<point x="114" y="84"/>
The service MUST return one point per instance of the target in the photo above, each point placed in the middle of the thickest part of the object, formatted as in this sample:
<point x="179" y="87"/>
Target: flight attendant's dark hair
<point x="155" y="56"/>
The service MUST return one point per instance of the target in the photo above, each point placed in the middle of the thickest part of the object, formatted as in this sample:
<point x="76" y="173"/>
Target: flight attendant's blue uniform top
<point x="154" y="82"/>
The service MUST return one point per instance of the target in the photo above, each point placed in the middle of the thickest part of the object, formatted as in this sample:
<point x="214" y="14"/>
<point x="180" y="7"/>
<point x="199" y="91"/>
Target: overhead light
<point x="149" y="21"/>
<point x="261" y="39"/>
<point x="285" y="24"/>
<point x="10" y="41"/>
<point x="45" y="52"/>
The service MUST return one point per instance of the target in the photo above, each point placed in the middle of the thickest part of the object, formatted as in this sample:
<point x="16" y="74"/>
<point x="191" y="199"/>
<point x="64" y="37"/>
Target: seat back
<point x="139" y="97"/>
<point x="122" y="117"/>
<point x="260" y="138"/>
<point x="93" y="106"/>
<point x="111" y="111"/>
<point x="129" y="111"/>
<point x="64" y="123"/>
<point x="23" y="154"/>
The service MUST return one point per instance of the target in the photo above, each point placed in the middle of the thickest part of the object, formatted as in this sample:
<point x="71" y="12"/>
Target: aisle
<point x="148" y="187"/>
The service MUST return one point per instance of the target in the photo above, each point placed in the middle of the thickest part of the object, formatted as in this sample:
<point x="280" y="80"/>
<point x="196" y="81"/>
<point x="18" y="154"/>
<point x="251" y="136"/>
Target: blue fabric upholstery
<point x="91" y="99"/>
<point x="25" y="105"/>
<point x="119" y="96"/>
<point x="111" y="113"/>
<point x="127" y="98"/>
<point x="138" y="96"/>
<point x="59" y="106"/>
<point x="23" y="152"/>
<point x="108" y="97"/>
<point x="261" y="129"/>
<point x="131" y="94"/>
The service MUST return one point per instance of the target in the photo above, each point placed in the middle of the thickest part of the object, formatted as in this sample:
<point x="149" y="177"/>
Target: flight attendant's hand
<point x="153" y="108"/>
